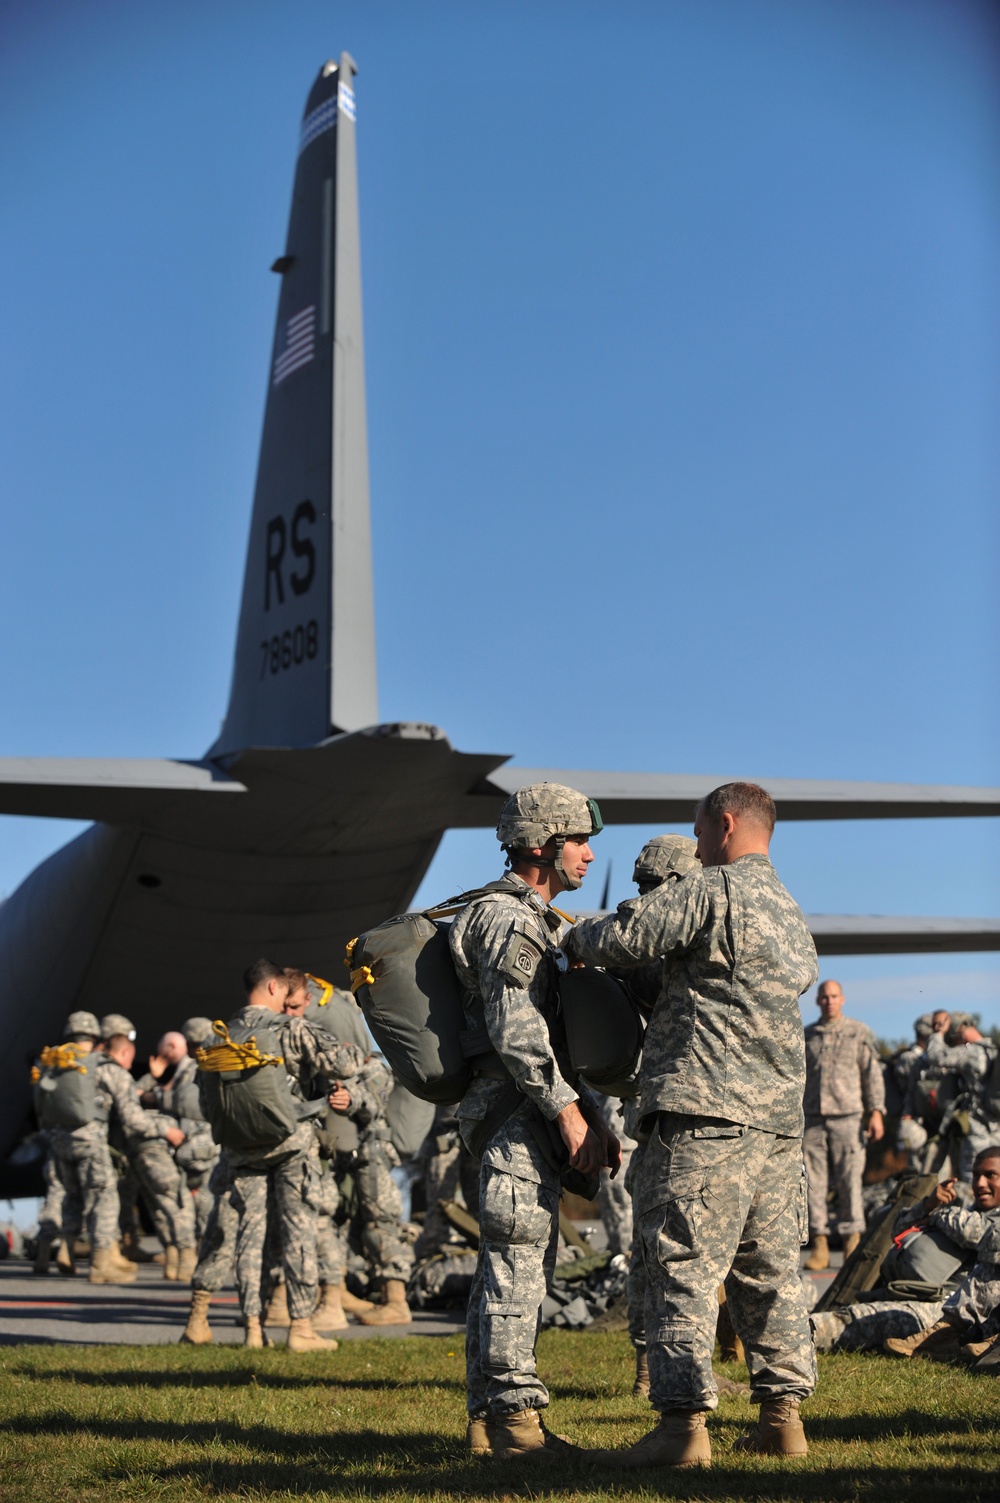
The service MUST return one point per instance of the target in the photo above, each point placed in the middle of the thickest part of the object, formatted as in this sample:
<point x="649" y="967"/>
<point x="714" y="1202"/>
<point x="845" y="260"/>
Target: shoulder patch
<point x="520" y="958"/>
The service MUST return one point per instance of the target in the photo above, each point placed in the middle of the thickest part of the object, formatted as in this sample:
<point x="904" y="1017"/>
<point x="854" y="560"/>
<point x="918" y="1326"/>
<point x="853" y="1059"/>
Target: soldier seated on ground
<point x="927" y="1326"/>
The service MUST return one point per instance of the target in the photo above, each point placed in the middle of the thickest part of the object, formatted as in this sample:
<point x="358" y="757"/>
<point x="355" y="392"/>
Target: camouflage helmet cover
<point x="532" y="815"/>
<point x="82" y="1022"/>
<point x="959" y="1020"/>
<point x="117" y="1022"/>
<point x="198" y="1031"/>
<point x="663" y="855"/>
<point x="924" y="1026"/>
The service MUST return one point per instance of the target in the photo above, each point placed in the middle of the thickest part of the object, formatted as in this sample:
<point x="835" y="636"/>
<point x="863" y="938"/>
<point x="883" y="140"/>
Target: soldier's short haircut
<point x="991" y="1151"/>
<point x="261" y="972"/>
<point x="296" y="979"/>
<point x="749" y="800"/>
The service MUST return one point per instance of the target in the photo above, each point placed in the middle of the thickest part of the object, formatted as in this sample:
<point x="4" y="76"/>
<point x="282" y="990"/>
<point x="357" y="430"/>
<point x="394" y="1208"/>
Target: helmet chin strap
<point x="567" y="882"/>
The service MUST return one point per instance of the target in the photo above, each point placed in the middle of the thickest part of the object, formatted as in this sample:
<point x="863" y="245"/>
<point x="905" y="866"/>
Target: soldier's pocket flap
<point x="719" y="1130"/>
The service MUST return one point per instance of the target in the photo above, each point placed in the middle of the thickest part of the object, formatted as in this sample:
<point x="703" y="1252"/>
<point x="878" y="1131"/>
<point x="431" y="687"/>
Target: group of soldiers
<point x="727" y="1115"/>
<point x="272" y="1213"/>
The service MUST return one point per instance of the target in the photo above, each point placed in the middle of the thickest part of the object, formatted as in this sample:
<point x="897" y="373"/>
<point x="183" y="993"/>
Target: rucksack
<point x="934" y="1090"/>
<point x="404" y="979"/>
<point x="409" y="1118"/>
<point x="245" y="1090"/>
<point x="66" y="1088"/>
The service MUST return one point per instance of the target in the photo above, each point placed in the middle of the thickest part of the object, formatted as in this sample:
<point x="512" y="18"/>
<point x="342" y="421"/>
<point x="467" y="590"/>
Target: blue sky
<point x="683" y="367"/>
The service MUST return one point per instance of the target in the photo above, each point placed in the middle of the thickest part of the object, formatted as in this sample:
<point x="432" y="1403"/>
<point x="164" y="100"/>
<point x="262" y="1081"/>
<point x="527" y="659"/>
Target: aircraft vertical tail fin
<point x="305" y="648"/>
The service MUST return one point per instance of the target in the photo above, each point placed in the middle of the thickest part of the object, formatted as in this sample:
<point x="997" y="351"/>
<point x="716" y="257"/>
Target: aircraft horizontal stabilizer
<point x="117" y="790"/>
<point x="636" y="798"/>
<point x="863" y="934"/>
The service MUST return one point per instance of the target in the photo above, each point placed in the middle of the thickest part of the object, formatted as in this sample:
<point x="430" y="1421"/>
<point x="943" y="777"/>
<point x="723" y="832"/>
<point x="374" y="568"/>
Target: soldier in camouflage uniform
<point x="973" y="1058"/>
<point x="844" y="1106"/>
<point x="217" y="1253"/>
<point x="524" y="1116"/>
<point x="446" y="1166"/>
<point x="721" y="1193"/>
<point x="146" y="1138"/>
<point x="83" y="1165"/>
<point x="50" y="1214"/>
<point x="289" y="1172"/>
<point x="171" y="1089"/>
<point x="937" y="1329"/>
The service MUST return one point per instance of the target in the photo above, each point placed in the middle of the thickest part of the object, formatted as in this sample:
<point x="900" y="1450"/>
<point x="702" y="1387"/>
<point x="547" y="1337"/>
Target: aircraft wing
<point x="637" y="798"/>
<point x="116" y="790"/>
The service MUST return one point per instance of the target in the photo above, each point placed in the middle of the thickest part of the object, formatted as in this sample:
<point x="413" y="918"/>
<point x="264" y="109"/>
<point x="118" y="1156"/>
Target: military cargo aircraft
<point x="308" y="820"/>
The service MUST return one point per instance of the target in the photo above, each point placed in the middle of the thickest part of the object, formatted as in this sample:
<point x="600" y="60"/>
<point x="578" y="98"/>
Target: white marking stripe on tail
<point x="299" y="344"/>
<point x="323" y="117"/>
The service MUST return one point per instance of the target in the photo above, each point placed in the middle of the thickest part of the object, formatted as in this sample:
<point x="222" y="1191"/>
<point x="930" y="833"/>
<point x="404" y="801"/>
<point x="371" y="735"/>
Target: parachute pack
<point x="404" y="980"/>
<point x="245" y="1091"/>
<point x="66" y="1088"/>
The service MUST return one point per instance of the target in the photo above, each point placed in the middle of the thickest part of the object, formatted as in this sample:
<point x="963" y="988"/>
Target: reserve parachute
<point x="245" y="1090"/>
<point x="404" y="980"/>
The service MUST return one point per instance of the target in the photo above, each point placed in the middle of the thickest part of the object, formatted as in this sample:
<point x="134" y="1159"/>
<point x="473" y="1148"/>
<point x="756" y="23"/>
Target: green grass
<point x="385" y="1419"/>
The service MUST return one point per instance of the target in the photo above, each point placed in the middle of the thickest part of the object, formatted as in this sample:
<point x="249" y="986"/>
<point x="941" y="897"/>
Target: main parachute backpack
<point x="404" y="980"/>
<point x="66" y="1088"/>
<point x="245" y="1091"/>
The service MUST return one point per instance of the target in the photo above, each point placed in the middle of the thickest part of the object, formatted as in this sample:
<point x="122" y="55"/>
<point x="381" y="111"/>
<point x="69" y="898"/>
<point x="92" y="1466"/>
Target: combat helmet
<point x="82" y="1022"/>
<point x="117" y="1023"/>
<point x="198" y="1032"/>
<point x="541" y="812"/>
<point x="664" y="856"/>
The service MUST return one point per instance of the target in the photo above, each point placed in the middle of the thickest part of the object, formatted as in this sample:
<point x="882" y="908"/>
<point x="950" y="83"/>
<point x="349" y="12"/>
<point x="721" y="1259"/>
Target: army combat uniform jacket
<point x="843" y="1074"/>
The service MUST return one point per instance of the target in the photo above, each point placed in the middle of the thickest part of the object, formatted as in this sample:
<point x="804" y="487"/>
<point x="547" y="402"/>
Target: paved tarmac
<point x="152" y="1312"/>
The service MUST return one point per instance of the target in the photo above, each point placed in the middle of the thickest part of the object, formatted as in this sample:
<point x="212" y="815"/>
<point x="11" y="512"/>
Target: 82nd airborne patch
<point x="520" y="959"/>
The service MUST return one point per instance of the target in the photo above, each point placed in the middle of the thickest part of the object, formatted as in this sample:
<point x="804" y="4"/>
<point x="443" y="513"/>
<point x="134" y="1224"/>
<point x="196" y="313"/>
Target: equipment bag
<point x="604" y="1030"/>
<point x="404" y="980"/>
<point x="409" y="1118"/>
<point x="66" y="1088"/>
<point x="245" y="1090"/>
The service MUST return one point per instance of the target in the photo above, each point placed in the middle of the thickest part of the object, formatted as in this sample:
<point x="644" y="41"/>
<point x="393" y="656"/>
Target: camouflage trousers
<point x="152" y="1172"/>
<point x="285" y="1174"/>
<point x="834" y="1147"/>
<point x="218" y="1241"/>
<point x="636" y="1264"/>
<point x="519" y="1230"/>
<point x="51" y="1214"/>
<point x="613" y="1196"/>
<point x="381" y="1215"/>
<point x="719" y="1202"/>
<point x="331" y="1250"/>
<point x="450" y="1167"/>
<point x="85" y="1171"/>
<point x="864" y="1327"/>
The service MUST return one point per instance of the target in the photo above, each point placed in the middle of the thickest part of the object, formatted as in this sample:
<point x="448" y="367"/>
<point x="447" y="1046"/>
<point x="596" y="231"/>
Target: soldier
<point x="721" y="1190"/>
<point x="146" y="1139"/>
<point x="283" y="1170"/>
<point x="447" y="1169"/>
<point x="83" y="1165"/>
<point x="844" y="1105"/>
<point x="977" y="1111"/>
<point x="935" y="1328"/>
<point x="523" y="1116"/>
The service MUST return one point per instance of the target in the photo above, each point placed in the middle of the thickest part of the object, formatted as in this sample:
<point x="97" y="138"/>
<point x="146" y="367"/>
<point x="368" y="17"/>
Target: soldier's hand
<point x="941" y="1195"/>
<point x="612" y="1153"/>
<point x="175" y="1137"/>
<point x="876" y="1127"/>
<point x="339" y="1098"/>
<point x="584" y="1146"/>
<point x="157" y="1065"/>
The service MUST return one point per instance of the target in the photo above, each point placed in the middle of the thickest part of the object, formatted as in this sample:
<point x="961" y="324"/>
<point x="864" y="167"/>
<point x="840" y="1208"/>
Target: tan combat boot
<point x="171" y="1260"/>
<point x="64" y="1259"/>
<point x="640" y="1388"/>
<point x="186" y="1264"/>
<point x="351" y="1303"/>
<point x="941" y="1342"/>
<point x="851" y="1244"/>
<point x="778" y="1432"/>
<point x="680" y="1439"/>
<point x="198" y="1332"/>
<point x="105" y="1270"/>
<point x="119" y="1258"/>
<point x="302" y="1337"/>
<point x="476" y="1437"/>
<point x="276" y="1313"/>
<point x="523" y="1437"/>
<point x="819" y="1258"/>
<point x="329" y="1313"/>
<point x="43" y="1252"/>
<point x="395" y="1311"/>
<point x="253" y="1336"/>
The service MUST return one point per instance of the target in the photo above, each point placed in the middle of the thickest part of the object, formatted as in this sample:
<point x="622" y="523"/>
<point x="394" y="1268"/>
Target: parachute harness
<point x="228" y="1055"/>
